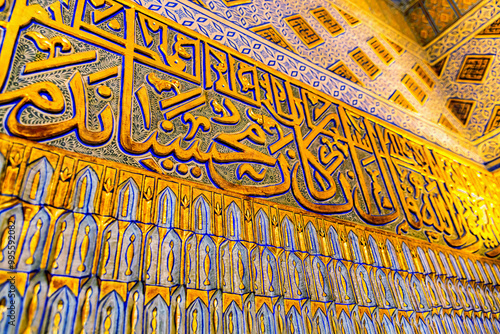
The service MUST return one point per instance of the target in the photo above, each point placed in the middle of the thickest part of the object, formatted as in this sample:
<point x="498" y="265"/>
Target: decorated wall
<point x="164" y="169"/>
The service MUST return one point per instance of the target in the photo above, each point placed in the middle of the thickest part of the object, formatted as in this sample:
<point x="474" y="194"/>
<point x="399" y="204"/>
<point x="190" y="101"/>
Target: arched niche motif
<point x="294" y="321"/>
<point x="457" y="294"/>
<point x="130" y="254"/>
<point x="401" y="291"/>
<point x="334" y="243"/>
<point x="167" y="205"/>
<point x="367" y="325"/>
<point x="127" y="200"/>
<point x="34" y="241"/>
<point x="170" y="273"/>
<point x="10" y="216"/>
<point x="408" y="258"/>
<point x="385" y="294"/>
<point x="364" y="288"/>
<point x="207" y="264"/>
<point x="240" y="268"/>
<point x="432" y="292"/>
<point x="233" y="319"/>
<point x="110" y="314"/>
<point x="423" y="327"/>
<point x="392" y="255"/>
<point x="443" y="293"/>
<point x="85" y="187"/>
<point x="270" y="275"/>
<point x="288" y="232"/>
<point x="465" y="269"/>
<point x="490" y="274"/>
<point x="177" y="316"/>
<point x="455" y="266"/>
<point x="423" y="260"/>
<point x="202" y="215"/>
<point x="198" y="317"/>
<point x="434" y="261"/>
<point x="340" y="275"/>
<point x="61" y="243"/>
<point x="265" y="320"/>
<point x="355" y="250"/>
<point x="320" y="289"/>
<point x="109" y="244"/>
<point x="474" y="272"/>
<point x="34" y="300"/>
<point x="296" y="276"/>
<point x="156" y="316"/>
<point x="345" y="323"/>
<point x="320" y="322"/>
<point x="9" y="297"/>
<point x="36" y="180"/>
<point x="262" y="228"/>
<point x="377" y="259"/>
<point x="419" y="295"/>
<point x="85" y="248"/>
<point x="446" y="265"/>
<point x="405" y="326"/>
<point x="233" y="222"/>
<point x="134" y="307"/>
<point x="312" y="238"/>
<point x="87" y="306"/>
<point x="151" y="256"/>
<point x="191" y="263"/>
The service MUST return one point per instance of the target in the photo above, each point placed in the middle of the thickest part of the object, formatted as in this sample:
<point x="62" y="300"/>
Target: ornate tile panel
<point x="104" y="247"/>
